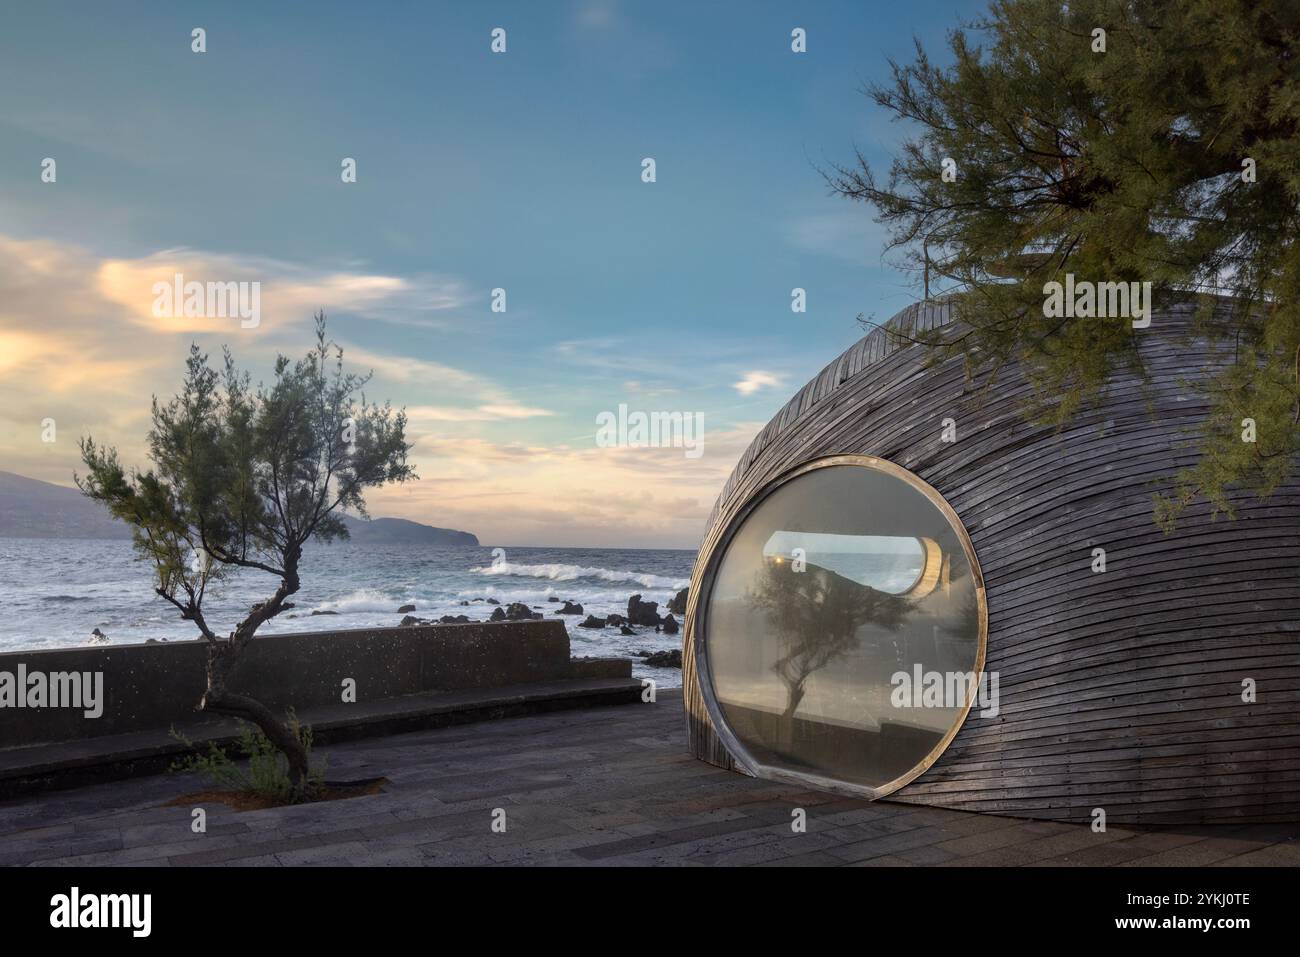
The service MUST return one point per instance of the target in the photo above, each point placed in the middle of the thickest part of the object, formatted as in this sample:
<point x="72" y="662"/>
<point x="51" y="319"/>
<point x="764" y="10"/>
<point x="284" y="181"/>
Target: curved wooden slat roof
<point x="1119" y="690"/>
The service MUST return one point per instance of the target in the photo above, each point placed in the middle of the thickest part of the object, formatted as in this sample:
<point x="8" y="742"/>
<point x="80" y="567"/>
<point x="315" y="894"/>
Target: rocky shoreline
<point x="641" y="616"/>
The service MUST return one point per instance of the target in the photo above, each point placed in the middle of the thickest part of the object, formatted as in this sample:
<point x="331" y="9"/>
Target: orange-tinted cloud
<point x="78" y="345"/>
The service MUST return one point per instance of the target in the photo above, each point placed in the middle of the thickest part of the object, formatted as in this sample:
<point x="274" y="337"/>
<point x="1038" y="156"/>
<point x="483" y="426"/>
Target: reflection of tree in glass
<point x="960" y="623"/>
<point x="817" y="615"/>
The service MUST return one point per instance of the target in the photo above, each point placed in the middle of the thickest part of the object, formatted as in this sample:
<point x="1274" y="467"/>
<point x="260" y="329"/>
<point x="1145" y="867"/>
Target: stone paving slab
<point x="34" y="768"/>
<point x="607" y="787"/>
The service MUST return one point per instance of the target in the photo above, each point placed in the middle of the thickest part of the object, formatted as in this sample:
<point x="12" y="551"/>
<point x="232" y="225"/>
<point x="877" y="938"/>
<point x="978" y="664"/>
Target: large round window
<point x="844" y="628"/>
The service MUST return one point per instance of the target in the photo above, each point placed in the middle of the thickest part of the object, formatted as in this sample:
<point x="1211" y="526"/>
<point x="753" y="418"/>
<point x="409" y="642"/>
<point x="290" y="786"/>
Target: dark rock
<point x="408" y="621"/>
<point x="518" y="611"/>
<point x="324" y="612"/>
<point x="677" y="604"/>
<point x="492" y="601"/>
<point x="665" y="659"/>
<point x="498" y="614"/>
<point x="570" y="609"/>
<point x="642" y="612"/>
<point x="642" y="653"/>
<point x="670" y="625"/>
<point x="405" y="608"/>
<point x="616" y="620"/>
<point x="465" y="603"/>
<point x="592" y="622"/>
<point x="454" y="620"/>
<point x="552" y="598"/>
<point x="625" y="630"/>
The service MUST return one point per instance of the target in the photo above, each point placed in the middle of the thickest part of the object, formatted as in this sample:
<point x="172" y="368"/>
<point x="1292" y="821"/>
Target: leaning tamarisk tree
<point x="242" y="479"/>
<point x="1119" y="141"/>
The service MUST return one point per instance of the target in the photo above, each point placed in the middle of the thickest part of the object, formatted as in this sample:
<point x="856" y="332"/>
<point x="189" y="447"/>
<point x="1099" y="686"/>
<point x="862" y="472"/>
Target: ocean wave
<point x="361" y="601"/>
<point x="559" y="572"/>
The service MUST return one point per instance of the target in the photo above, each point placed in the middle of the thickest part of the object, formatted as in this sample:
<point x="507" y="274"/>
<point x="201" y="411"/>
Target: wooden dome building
<point x="907" y="589"/>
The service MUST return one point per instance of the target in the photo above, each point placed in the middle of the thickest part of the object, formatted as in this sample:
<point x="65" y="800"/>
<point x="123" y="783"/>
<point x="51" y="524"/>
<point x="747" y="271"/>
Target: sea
<point x="53" y="593"/>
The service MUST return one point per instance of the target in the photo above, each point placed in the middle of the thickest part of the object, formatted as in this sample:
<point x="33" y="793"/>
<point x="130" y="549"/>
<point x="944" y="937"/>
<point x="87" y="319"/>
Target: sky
<point x="475" y="171"/>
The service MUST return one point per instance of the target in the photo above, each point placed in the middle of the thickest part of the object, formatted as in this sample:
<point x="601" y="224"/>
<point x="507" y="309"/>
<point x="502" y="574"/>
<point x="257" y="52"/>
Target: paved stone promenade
<point x="603" y="786"/>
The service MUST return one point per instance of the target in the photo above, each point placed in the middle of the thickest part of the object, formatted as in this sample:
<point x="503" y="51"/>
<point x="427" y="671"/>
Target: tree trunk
<point x="794" y="696"/>
<point x="786" y="733"/>
<point x="220" y="701"/>
<point x="223" y="654"/>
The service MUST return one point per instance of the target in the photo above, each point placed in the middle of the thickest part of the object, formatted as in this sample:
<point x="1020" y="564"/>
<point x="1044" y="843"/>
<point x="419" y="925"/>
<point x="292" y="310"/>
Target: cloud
<point x="610" y="355"/>
<point x="509" y="410"/>
<point x="848" y="233"/>
<point x="288" y="291"/>
<point x="753" y="381"/>
<point x="595" y="14"/>
<point x="55" y="333"/>
<point x="73" y="348"/>
<point x="403" y="368"/>
<point x="648" y="390"/>
<point x="479" y="400"/>
<point x="519" y="493"/>
<point x="424" y="414"/>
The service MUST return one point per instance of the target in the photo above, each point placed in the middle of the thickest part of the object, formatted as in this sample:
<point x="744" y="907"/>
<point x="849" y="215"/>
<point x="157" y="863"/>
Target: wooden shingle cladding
<point x="1119" y="690"/>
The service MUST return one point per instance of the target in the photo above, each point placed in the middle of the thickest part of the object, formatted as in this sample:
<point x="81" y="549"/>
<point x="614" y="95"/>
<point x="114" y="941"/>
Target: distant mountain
<point x="33" y="509"/>
<point x="30" y="508"/>
<point x="398" y="531"/>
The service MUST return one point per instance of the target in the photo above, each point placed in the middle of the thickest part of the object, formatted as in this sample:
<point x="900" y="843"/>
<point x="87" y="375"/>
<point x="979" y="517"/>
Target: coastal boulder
<point x="616" y="620"/>
<point x="670" y="625"/>
<point x="625" y="630"/>
<point x="570" y="609"/>
<point x="665" y="659"/>
<point x="498" y="614"/>
<point x="592" y="622"/>
<point x="677" y="604"/>
<point x="454" y="620"/>
<point x="405" y="608"/>
<point x="642" y="612"/>
<point x="518" y="611"/>
<point x="408" y="621"/>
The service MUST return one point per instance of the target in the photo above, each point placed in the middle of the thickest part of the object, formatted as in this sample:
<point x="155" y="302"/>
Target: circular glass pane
<point x="844" y="627"/>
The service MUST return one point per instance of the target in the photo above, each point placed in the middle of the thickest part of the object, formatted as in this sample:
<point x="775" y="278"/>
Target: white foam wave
<point x="360" y="601"/>
<point x="560" y="572"/>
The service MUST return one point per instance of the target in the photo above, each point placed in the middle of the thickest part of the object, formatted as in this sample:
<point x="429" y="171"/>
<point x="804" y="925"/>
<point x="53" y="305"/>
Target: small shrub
<point x="267" y="774"/>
